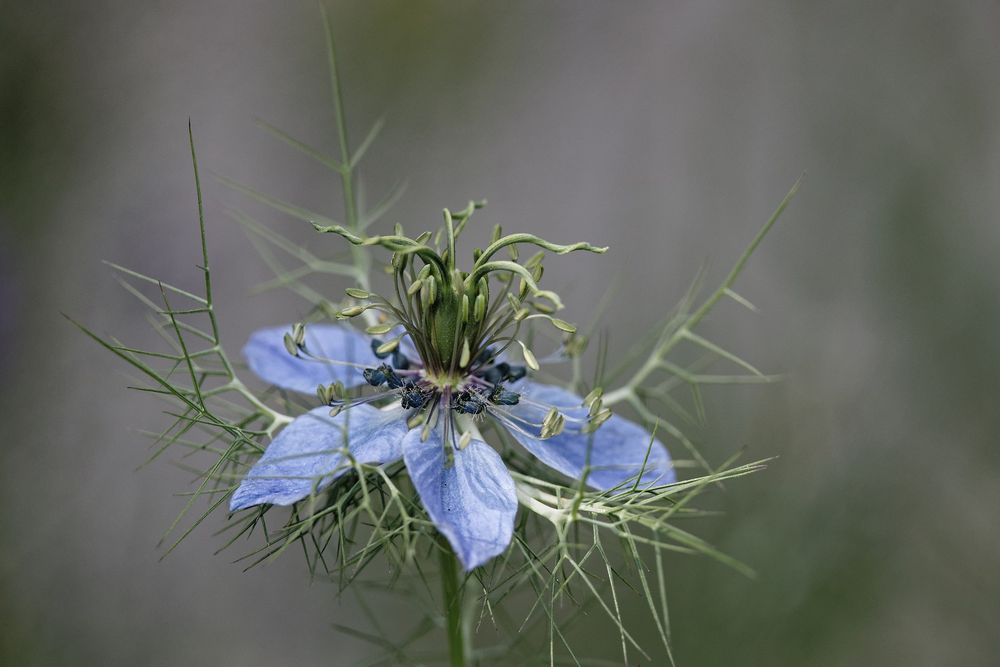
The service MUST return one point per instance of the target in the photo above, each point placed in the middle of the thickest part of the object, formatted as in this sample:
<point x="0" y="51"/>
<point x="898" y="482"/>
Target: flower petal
<point x="618" y="448"/>
<point x="308" y="454"/>
<point x="266" y="354"/>
<point x="470" y="499"/>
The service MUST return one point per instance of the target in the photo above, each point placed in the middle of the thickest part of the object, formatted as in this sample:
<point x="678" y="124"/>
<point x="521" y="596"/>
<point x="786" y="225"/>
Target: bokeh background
<point x="668" y="131"/>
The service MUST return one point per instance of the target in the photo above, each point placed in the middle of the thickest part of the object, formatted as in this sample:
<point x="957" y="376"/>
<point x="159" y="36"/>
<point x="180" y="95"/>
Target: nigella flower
<point x="442" y="372"/>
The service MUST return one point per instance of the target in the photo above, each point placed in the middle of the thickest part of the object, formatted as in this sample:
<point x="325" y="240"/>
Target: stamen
<point x="501" y="396"/>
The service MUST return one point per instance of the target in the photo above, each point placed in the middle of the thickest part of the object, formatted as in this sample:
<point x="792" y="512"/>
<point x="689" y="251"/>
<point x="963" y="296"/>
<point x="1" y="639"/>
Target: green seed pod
<point x="595" y="407"/>
<point x="388" y="346"/>
<point x="290" y="345"/>
<point x="350" y="312"/>
<point x="534" y="260"/>
<point x="529" y="358"/>
<point x="563" y="325"/>
<point x="356" y="293"/>
<point x="299" y="334"/>
<point x="378" y="329"/>
<point x="466" y="357"/>
<point x="464" y="312"/>
<point x="595" y="394"/>
<point x="479" y="310"/>
<point x="431" y="290"/>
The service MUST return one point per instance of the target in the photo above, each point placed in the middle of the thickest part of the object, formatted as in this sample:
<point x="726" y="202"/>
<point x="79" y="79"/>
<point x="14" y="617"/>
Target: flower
<point x="440" y="374"/>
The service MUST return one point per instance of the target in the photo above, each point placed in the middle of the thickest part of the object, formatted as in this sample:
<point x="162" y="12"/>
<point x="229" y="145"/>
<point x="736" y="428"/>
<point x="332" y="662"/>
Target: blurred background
<point x="668" y="131"/>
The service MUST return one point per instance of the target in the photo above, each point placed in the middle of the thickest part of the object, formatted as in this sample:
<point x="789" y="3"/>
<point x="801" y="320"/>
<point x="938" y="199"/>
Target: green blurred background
<point x="668" y="131"/>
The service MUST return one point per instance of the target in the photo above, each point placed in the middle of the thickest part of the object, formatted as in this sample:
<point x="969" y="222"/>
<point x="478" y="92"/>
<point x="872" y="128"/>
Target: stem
<point x="360" y="258"/>
<point x="454" y="607"/>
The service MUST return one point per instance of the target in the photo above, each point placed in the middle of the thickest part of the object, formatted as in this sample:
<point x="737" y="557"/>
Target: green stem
<point x="454" y="607"/>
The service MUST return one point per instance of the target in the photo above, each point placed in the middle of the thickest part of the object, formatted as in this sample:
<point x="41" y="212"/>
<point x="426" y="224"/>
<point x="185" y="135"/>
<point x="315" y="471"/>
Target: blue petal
<point x="266" y="354"/>
<point x="308" y="454"/>
<point x="471" y="499"/>
<point x="618" y="448"/>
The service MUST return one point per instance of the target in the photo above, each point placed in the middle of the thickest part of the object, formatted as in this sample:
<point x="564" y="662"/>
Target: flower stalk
<point x="453" y="599"/>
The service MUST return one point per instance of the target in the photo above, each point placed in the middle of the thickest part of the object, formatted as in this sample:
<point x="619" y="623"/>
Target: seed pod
<point x="290" y="345"/>
<point x="479" y="310"/>
<point x="431" y="290"/>
<point x="563" y="325"/>
<point x="529" y="357"/>
<point x="387" y="347"/>
<point x="377" y="329"/>
<point x="535" y="260"/>
<point x="596" y="422"/>
<point x="595" y="394"/>
<point x="352" y="311"/>
<point x="464" y="309"/>
<point x="595" y="407"/>
<point x="299" y="334"/>
<point x="356" y="293"/>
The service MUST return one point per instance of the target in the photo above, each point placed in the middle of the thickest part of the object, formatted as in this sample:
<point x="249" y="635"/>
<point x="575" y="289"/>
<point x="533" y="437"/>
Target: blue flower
<point x="430" y="423"/>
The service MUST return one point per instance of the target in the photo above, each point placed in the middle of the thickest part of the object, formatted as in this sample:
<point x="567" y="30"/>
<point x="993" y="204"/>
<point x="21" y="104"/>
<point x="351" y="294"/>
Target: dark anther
<point x="377" y="377"/>
<point x="501" y="396"/>
<point x="504" y="372"/>
<point x="484" y="357"/>
<point x="399" y="360"/>
<point x="468" y="402"/>
<point x="497" y="374"/>
<point x="395" y="382"/>
<point x="376" y="344"/>
<point x="515" y="373"/>
<point x="413" y="396"/>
